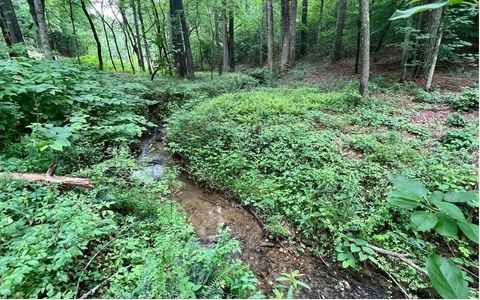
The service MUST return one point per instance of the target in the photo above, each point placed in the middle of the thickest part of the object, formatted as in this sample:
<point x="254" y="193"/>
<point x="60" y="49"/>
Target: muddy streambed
<point x="207" y="210"/>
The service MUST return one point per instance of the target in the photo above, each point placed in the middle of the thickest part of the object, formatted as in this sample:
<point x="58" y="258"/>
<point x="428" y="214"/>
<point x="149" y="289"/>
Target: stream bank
<point x="207" y="210"/>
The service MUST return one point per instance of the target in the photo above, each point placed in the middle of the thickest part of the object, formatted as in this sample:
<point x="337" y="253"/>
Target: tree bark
<point x="107" y="39"/>
<point x="144" y="37"/>
<point x="136" y="37"/>
<point x="339" y="25"/>
<point x="95" y="35"/>
<point x="303" y="32"/>
<point x="288" y="27"/>
<point x="226" y="39"/>
<point x="67" y="181"/>
<point x="365" y="47"/>
<point x="9" y="23"/>
<point x="181" y="41"/>
<point x="74" y="28"/>
<point x="320" y="19"/>
<point x="270" y="31"/>
<point x="217" y="38"/>
<point x="433" y="62"/>
<point x="42" y="28"/>
<point x="231" y="40"/>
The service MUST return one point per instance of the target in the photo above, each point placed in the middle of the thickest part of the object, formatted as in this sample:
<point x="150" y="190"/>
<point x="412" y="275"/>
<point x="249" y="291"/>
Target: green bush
<point x="456" y="120"/>
<point x="467" y="100"/>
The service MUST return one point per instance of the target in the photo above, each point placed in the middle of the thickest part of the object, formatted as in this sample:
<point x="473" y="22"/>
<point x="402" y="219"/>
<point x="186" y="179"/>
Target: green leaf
<point x="446" y="226"/>
<point x="362" y="256"/>
<point x="368" y="250"/>
<point x="436" y="196"/>
<point x="404" y="199"/>
<point x="360" y="242"/>
<point x="461" y="197"/>
<point x="403" y="14"/>
<point x="469" y="230"/>
<point x="57" y="146"/>
<point x="423" y="220"/>
<point x="451" y="210"/>
<point x="354" y="248"/>
<point x="405" y="184"/>
<point x="446" y="278"/>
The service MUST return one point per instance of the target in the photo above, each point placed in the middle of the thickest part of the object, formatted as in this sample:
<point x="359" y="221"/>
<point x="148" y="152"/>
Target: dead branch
<point x="95" y="289"/>
<point x="68" y="181"/>
<point x="403" y="257"/>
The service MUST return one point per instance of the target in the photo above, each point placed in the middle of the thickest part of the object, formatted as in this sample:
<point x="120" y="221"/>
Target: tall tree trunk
<point x="293" y="30"/>
<point x="181" y="41"/>
<point x="270" y="35"/>
<point x="136" y="36"/>
<point x="433" y="62"/>
<point x="115" y="41"/>
<point x="107" y="39"/>
<point x="144" y="36"/>
<point x="217" y="37"/>
<point x="431" y="24"/>
<point x="95" y="35"/>
<point x="320" y="20"/>
<point x="226" y="39"/>
<point x="231" y="40"/>
<point x="357" y="56"/>
<point x="365" y="47"/>
<point x="339" y="25"/>
<point x="288" y="26"/>
<point x="406" y="50"/>
<point x="9" y="23"/>
<point x="303" y="33"/>
<point x="261" y="30"/>
<point x="42" y="28"/>
<point x="74" y="28"/>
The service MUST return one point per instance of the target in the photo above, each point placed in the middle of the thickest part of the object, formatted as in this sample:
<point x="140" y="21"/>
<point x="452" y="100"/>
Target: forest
<point x="239" y="149"/>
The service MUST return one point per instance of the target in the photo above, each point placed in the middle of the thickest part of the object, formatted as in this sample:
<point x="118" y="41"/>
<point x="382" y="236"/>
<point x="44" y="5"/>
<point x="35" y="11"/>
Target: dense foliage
<point x="321" y="161"/>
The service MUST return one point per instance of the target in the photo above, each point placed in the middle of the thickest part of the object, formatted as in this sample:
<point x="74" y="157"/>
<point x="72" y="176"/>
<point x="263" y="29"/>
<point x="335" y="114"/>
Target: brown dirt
<point x="207" y="211"/>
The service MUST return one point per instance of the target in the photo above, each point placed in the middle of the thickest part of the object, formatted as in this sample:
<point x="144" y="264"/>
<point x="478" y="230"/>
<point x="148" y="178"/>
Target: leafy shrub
<point x="467" y="100"/>
<point x="461" y="138"/>
<point x="426" y="97"/>
<point x="456" y="120"/>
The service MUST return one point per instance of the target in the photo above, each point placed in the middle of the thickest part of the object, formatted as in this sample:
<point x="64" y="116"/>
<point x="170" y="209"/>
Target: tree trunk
<point x="406" y="50"/>
<point x="433" y="63"/>
<point x="303" y="33"/>
<point x="226" y="39"/>
<point x="339" y="25"/>
<point x="136" y="37"/>
<point x="9" y="23"/>
<point x="181" y="41"/>
<point x="430" y="24"/>
<point x="231" y="41"/>
<point x="270" y="31"/>
<point x="288" y="26"/>
<point x="144" y="36"/>
<point x="320" y="19"/>
<point x="217" y="38"/>
<point x="42" y="28"/>
<point x="365" y="47"/>
<point x="357" y="55"/>
<point x="74" y="28"/>
<point x="95" y="35"/>
<point x="107" y="40"/>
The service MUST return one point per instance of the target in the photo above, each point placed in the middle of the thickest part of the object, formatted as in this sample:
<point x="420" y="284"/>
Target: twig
<point x="398" y="284"/>
<point x="403" y="257"/>
<point x="95" y="289"/>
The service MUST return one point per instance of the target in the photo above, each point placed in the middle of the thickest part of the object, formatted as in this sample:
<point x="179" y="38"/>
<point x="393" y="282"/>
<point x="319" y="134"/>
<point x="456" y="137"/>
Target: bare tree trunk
<point x="226" y="39"/>
<point x="433" y="62"/>
<point x="270" y="35"/>
<point x="74" y="28"/>
<point x="339" y="25"/>
<point x="365" y="47"/>
<point x="42" y="29"/>
<point x="320" y="19"/>
<point x="144" y="36"/>
<point x="406" y="50"/>
<point x="181" y="41"/>
<point x="9" y="23"/>
<point x="136" y="37"/>
<point x="217" y="37"/>
<point x="231" y="41"/>
<point x="95" y="35"/>
<point x="288" y="27"/>
<point x="107" y="39"/>
<point x="357" y="54"/>
<point x="123" y="26"/>
<point x="303" y="33"/>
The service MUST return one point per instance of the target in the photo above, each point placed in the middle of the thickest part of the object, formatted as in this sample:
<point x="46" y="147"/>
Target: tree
<point x="303" y="32"/>
<point x="228" y="37"/>
<point x="339" y="25"/>
<point x="270" y="31"/>
<point x="9" y="23"/>
<point x="42" y="28"/>
<point x="136" y="36"/>
<point x="182" y="52"/>
<point x="95" y="35"/>
<point x="288" y="9"/>
<point x="144" y="38"/>
<point x="364" y="47"/>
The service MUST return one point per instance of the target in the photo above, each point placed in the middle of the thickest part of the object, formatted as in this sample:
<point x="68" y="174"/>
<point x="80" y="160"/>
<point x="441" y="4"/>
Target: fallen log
<point x="67" y="181"/>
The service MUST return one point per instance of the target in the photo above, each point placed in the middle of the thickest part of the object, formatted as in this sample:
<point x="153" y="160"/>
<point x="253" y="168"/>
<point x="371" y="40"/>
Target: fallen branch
<point x="95" y="289"/>
<point x="403" y="257"/>
<point x="68" y="181"/>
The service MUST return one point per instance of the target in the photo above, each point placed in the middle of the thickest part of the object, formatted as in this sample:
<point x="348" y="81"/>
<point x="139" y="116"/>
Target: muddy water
<point x="208" y="210"/>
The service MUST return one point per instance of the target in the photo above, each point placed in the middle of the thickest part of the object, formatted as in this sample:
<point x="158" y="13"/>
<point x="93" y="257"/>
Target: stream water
<point x="207" y="210"/>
